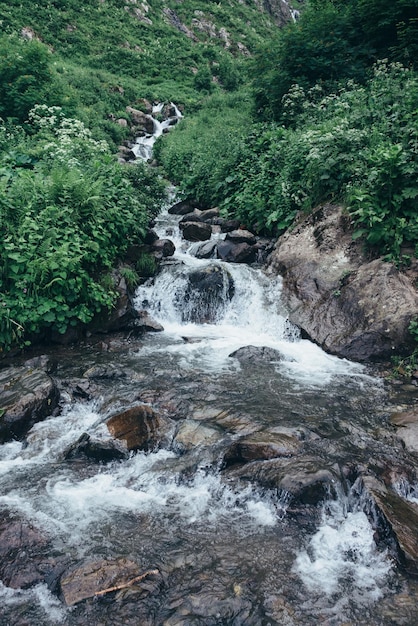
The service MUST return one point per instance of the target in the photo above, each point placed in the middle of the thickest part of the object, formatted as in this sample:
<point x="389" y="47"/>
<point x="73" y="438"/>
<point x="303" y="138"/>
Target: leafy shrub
<point x="64" y="221"/>
<point x="25" y="75"/>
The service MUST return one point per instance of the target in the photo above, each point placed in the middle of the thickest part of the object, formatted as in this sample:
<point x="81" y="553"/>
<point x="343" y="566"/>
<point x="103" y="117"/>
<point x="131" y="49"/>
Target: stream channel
<point x="283" y="539"/>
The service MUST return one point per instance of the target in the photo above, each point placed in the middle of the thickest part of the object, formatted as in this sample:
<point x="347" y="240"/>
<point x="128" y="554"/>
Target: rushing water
<point x="229" y="551"/>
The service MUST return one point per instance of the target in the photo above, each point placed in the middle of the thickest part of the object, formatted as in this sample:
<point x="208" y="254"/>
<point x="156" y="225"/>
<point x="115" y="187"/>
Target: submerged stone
<point x="89" y="579"/>
<point x="192" y="434"/>
<point x="256" y="354"/>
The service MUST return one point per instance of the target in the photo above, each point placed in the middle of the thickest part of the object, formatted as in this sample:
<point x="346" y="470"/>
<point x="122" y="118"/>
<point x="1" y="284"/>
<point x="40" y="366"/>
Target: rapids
<point x="230" y="549"/>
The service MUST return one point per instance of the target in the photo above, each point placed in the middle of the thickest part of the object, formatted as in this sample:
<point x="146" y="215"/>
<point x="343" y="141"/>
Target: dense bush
<point x="359" y="146"/>
<point x="68" y="211"/>
<point x="330" y="43"/>
<point x="26" y="77"/>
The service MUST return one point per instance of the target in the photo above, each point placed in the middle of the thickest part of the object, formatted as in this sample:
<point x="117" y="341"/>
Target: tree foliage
<point x="330" y="43"/>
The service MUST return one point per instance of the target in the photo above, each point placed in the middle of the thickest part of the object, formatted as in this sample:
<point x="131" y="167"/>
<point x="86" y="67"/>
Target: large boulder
<point x="27" y="396"/>
<point x="236" y="252"/>
<point x="140" y="428"/>
<point x="196" y="231"/>
<point x="207" y="292"/>
<point x="141" y="120"/>
<point x="349" y="305"/>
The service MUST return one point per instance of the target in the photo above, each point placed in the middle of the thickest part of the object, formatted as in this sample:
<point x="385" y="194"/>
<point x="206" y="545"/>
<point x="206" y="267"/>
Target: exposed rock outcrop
<point x="351" y="306"/>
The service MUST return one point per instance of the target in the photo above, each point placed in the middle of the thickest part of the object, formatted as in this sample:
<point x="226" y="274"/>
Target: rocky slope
<point x="349" y="304"/>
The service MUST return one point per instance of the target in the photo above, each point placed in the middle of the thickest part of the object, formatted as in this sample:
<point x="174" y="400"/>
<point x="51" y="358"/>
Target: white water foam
<point x="253" y="317"/>
<point x="52" y="611"/>
<point x="407" y="490"/>
<point x="342" y="557"/>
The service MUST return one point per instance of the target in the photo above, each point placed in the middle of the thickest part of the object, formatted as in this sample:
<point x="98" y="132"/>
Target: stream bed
<point x="237" y="531"/>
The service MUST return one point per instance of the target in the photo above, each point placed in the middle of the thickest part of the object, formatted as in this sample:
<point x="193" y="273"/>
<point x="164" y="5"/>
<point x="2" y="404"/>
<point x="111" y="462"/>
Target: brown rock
<point x="262" y="446"/>
<point x="140" y="427"/>
<point x="402" y="519"/>
<point x="407" y="428"/>
<point x="241" y="236"/>
<point x="352" y="307"/>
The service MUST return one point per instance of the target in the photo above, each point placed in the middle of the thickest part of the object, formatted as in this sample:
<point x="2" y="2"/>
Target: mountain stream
<point x="229" y="543"/>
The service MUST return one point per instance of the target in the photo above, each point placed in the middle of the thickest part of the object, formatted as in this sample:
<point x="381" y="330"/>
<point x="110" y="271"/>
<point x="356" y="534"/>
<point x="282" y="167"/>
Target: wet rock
<point x="241" y="236"/>
<point x="209" y="214"/>
<point x="228" y="225"/>
<point x="250" y="354"/>
<point x="141" y="120"/>
<point x="196" y="231"/>
<point x="162" y="248"/>
<point x="407" y="428"/>
<point x="102" y="451"/>
<point x="27" y="396"/>
<point x="307" y="479"/>
<point x="195" y="216"/>
<point x="230" y="421"/>
<point x="236" y="252"/>
<point x="123" y="314"/>
<point x="350" y="306"/>
<point x="168" y="403"/>
<point x="192" y="434"/>
<point x="89" y="579"/>
<point x="140" y="428"/>
<point x="262" y="445"/>
<point x="105" y="372"/>
<point x="150" y="237"/>
<point x="147" y="323"/>
<point x="207" y="291"/>
<point x="24" y="551"/>
<point x="181" y="208"/>
<point x="206" y="250"/>
<point x="402" y="519"/>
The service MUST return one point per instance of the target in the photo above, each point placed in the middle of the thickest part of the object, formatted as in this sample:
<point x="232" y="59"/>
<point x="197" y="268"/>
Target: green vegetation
<point x="358" y="146"/>
<point x="68" y="211"/>
<point x="277" y="121"/>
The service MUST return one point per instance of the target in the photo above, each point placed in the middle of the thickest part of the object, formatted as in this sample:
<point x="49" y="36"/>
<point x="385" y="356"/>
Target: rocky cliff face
<point x="350" y="305"/>
<point x="279" y="10"/>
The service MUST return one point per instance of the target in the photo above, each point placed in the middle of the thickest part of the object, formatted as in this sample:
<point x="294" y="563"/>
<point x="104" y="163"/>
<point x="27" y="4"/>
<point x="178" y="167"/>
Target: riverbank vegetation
<point x="276" y="122"/>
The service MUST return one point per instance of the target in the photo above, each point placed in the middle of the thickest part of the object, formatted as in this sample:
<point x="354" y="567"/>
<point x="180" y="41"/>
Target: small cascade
<point x="142" y="149"/>
<point x="223" y="307"/>
<point x="341" y="560"/>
